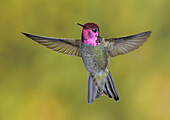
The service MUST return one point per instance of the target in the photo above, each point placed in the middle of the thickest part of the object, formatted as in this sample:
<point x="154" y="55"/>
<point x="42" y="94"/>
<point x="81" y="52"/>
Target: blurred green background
<point x="39" y="84"/>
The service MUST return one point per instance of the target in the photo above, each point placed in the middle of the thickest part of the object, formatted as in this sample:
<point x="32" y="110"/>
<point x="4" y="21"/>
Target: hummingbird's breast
<point x="95" y="58"/>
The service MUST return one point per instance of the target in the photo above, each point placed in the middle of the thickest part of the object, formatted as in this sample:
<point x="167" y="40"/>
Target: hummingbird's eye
<point x="94" y="30"/>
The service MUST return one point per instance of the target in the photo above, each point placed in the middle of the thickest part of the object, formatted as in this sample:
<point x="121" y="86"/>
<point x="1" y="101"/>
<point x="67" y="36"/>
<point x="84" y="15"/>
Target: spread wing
<point x="60" y="45"/>
<point x="123" y="45"/>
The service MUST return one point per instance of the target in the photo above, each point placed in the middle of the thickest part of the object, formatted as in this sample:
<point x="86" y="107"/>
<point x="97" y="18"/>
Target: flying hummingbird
<point x="95" y="52"/>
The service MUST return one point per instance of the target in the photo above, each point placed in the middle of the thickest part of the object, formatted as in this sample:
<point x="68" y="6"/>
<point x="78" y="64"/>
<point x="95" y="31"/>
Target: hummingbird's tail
<point x="109" y="89"/>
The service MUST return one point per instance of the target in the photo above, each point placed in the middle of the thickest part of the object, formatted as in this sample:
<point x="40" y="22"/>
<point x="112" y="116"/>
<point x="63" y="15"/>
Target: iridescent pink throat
<point x="89" y="37"/>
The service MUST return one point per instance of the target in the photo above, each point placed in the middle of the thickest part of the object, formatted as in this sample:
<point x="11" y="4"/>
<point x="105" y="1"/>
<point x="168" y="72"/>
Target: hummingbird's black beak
<point x="82" y="25"/>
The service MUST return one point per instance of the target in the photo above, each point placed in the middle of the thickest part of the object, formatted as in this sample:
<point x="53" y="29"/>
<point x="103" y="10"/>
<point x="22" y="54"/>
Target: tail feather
<point x="98" y="94"/>
<point x="107" y="90"/>
<point x="110" y="88"/>
<point x="92" y="91"/>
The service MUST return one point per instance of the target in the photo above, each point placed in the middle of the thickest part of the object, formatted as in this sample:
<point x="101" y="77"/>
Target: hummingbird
<point x="95" y="52"/>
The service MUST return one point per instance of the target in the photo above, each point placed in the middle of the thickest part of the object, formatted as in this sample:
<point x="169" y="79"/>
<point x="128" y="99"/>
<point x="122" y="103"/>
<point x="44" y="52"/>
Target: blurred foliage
<point x="38" y="84"/>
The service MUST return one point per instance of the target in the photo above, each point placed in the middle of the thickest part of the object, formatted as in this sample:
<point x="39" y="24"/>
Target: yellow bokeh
<point x="39" y="84"/>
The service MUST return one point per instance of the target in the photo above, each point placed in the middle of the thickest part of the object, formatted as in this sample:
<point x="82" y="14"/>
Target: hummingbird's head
<point x="90" y="34"/>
